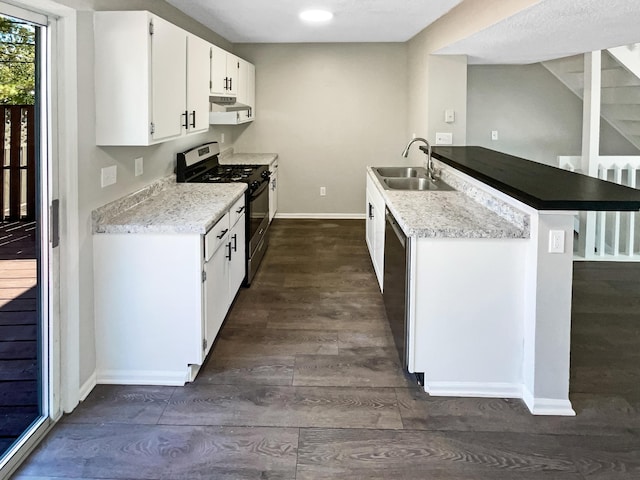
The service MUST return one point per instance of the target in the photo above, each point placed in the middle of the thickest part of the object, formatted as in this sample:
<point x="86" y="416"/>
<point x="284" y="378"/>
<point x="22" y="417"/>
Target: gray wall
<point x="536" y="116"/>
<point x="328" y="110"/>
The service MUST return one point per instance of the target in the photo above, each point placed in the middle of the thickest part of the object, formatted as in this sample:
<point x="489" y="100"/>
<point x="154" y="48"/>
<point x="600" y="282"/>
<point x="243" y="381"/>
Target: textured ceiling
<point x="276" y="21"/>
<point x="553" y="29"/>
<point x="548" y="29"/>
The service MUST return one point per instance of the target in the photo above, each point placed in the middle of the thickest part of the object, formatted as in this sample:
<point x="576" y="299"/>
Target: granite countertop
<point x="447" y="214"/>
<point x="540" y="186"/>
<point x="230" y="158"/>
<point x="168" y="207"/>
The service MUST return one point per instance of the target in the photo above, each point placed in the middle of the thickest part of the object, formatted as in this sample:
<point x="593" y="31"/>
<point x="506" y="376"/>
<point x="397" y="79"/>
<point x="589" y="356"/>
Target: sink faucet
<point x="431" y="171"/>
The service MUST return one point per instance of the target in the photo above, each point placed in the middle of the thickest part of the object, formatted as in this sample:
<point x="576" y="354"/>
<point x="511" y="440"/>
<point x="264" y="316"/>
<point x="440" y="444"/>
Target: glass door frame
<point x="47" y="273"/>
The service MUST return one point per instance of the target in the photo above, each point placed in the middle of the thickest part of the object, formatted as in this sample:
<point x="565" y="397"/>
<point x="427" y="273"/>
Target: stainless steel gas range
<point x="201" y="165"/>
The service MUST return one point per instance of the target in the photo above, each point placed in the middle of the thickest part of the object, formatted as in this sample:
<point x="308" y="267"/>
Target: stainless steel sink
<point x="415" y="184"/>
<point x="408" y="178"/>
<point x="398" y="172"/>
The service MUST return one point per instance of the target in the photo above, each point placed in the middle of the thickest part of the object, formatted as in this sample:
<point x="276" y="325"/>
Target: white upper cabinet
<point x="246" y="96"/>
<point x="151" y="79"/>
<point x="247" y="87"/>
<point x="224" y="73"/>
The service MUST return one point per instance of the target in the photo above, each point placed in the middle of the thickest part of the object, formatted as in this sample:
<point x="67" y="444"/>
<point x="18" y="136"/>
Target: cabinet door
<point x="233" y="72"/>
<point x="243" y="68"/>
<point x="168" y="79"/>
<point x="237" y="269"/>
<point x="375" y="229"/>
<point x="370" y="227"/>
<point x="197" y="84"/>
<point x="251" y="90"/>
<point x="218" y="80"/>
<point x="273" y="194"/>
<point x="216" y="291"/>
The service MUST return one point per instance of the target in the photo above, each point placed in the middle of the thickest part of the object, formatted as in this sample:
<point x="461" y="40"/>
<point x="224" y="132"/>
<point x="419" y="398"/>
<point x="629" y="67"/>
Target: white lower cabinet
<point x="375" y="229"/>
<point x="160" y="299"/>
<point x="224" y="268"/>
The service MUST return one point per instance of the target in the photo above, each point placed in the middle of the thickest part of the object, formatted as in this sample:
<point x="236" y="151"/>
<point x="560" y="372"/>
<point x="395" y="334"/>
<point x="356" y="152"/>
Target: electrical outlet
<point x="139" y="166"/>
<point x="108" y="176"/>
<point x="556" y="241"/>
<point x="222" y="138"/>
<point x="323" y="191"/>
<point x="444" y="138"/>
<point x="494" y="134"/>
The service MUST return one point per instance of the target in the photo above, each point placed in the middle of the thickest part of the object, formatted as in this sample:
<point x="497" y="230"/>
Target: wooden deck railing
<point x="18" y="160"/>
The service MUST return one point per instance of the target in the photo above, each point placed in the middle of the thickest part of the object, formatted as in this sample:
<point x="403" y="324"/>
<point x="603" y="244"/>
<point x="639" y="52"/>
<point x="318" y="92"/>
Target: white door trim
<point x="60" y="144"/>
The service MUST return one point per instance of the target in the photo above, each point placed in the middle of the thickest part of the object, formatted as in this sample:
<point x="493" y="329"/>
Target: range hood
<point x="222" y="100"/>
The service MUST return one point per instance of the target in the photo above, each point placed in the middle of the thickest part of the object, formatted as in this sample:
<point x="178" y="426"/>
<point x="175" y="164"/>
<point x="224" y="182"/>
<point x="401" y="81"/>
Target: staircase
<point x="620" y="86"/>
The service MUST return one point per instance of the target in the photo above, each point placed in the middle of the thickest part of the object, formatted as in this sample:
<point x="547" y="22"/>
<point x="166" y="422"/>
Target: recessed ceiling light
<point x="316" y="16"/>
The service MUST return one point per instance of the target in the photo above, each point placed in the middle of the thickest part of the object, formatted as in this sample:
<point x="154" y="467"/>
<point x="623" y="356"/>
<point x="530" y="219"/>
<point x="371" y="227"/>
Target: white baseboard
<point x="143" y="377"/>
<point x="547" y="406"/>
<point x="473" y="389"/>
<point x="322" y="216"/>
<point x="87" y="386"/>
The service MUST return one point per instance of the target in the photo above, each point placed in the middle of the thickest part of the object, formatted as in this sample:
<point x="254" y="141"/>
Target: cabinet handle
<point x="370" y="211"/>
<point x="229" y="255"/>
<point x="223" y="233"/>
<point x="193" y="124"/>
<point x="240" y="210"/>
<point x="186" y="119"/>
<point x="231" y="84"/>
<point x="226" y="83"/>
<point x="235" y="243"/>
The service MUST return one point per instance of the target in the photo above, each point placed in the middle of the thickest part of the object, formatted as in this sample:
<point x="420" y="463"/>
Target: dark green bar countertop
<point x="537" y="185"/>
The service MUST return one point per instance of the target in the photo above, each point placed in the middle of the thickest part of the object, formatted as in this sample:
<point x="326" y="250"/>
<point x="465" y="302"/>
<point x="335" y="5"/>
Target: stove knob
<point x="254" y="185"/>
<point x="265" y="174"/>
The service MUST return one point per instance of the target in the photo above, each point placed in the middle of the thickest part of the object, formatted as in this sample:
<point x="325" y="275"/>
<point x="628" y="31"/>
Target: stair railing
<point x="617" y="234"/>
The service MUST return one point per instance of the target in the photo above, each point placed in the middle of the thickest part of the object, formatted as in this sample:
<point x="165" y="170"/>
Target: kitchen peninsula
<point x="490" y="302"/>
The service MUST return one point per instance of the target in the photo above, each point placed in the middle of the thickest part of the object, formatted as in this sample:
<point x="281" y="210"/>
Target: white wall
<point x="536" y="116"/>
<point x="436" y="83"/>
<point x="328" y="110"/>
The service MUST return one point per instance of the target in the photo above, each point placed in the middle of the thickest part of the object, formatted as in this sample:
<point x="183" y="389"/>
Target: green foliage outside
<point x="17" y="62"/>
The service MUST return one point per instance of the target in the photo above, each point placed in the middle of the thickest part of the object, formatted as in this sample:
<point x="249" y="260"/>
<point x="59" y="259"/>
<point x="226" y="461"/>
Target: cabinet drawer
<point x="237" y="210"/>
<point x="216" y="236"/>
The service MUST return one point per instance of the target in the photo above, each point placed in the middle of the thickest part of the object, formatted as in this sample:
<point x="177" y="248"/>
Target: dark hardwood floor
<point x="18" y="331"/>
<point x="304" y="383"/>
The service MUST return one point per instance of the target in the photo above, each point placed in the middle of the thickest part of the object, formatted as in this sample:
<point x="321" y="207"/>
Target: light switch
<point x="139" y="166"/>
<point x="449" y="116"/>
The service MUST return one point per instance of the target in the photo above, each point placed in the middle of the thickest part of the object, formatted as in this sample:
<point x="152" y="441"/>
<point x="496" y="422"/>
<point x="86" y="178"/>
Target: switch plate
<point x="556" y="241"/>
<point x="139" y="168"/>
<point x="108" y="176"/>
<point x="222" y="138"/>
<point x="494" y="134"/>
<point x="449" y="116"/>
<point x="444" y="138"/>
<point x="323" y="191"/>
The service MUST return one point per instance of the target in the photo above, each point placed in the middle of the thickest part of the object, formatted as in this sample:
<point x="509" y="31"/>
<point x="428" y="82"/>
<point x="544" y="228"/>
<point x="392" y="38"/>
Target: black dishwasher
<point x="396" y="262"/>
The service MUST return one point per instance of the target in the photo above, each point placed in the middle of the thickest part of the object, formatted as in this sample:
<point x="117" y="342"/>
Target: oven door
<point x="258" y="209"/>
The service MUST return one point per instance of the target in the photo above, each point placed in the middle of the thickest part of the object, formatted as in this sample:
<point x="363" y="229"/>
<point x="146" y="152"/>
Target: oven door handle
<point x="260" y="189"/>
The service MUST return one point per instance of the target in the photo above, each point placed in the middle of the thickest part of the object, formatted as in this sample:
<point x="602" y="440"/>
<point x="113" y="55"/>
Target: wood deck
<point x="18" y="331"/>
